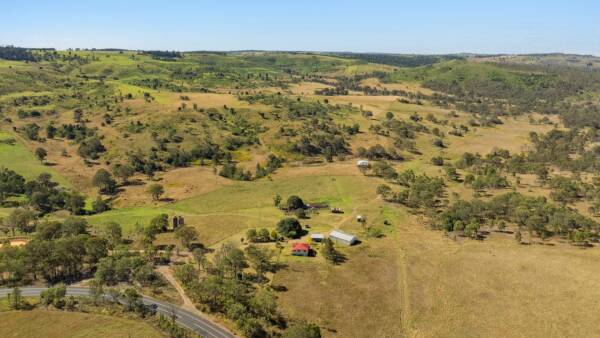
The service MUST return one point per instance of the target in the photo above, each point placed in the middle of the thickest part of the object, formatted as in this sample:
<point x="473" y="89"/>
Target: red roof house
<point x="300" y="249"/>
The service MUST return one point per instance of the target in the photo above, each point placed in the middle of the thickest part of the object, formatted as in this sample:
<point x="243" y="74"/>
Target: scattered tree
<point x="156" y="190"/>
<point x="186" y="235"/>
<point x="40" y="154"/>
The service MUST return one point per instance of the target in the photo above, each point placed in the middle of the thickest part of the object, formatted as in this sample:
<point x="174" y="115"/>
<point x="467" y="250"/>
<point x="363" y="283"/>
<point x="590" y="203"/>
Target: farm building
<point x="361" y="218"/>
<point x="337" y="210"/>
<point x="177" y="222"/>
<point x="300" y="249"/>
<point x="341" y="237"/>
<point x="362" y="163"/>
<point x="317" y="237"/>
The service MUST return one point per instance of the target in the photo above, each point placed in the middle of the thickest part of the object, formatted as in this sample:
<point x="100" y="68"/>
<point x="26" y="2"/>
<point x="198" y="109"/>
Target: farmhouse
<point x="317" y="237"/>
<point x="300" y="249"/>
<point x="341" y="237"/>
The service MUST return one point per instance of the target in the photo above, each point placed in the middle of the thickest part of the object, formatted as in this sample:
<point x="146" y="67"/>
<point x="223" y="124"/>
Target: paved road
<point x="202" y="326"/>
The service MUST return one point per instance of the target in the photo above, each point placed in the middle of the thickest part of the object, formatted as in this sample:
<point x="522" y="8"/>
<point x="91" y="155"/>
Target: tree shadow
<point x="136" y="181"/>
<point x="10" y="204"/>
<point x="279" y="288"/>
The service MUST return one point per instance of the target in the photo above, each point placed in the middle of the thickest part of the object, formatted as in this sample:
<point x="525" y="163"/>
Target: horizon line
<point x="109" y="49"/>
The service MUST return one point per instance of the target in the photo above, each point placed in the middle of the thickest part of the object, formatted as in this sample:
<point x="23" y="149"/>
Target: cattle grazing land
<point x="464" y="191"/>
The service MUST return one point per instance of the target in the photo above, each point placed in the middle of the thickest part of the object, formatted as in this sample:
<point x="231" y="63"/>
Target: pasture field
<point x="19" y="158"/>
<point x="235" y="207"/>
<point x="496" y="286"/>
<point x="58" y="324"/>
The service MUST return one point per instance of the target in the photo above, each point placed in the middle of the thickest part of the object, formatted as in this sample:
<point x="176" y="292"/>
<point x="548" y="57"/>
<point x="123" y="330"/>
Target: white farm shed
<point x="362" y="163"/>
<point x="341" y="237"/>
<point x="317" y="237"/>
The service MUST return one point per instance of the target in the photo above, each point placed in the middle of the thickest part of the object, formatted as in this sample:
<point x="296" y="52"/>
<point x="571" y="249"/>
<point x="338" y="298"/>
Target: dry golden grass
<point x="513" y="135"/>
<point x="168" y="101"/>
<point x="16" y="242"/>
<point x="178" y="183"/>
<point x="55" y="324"/>
<point x="360" y="298"/>
<point x="497" y="288"/>
<point x="71" y="166"/>
<point x="307" y="88"/>
<point x="418" y="283"/>
<point x="411" y="87"/>
<point x="377" y="104"/>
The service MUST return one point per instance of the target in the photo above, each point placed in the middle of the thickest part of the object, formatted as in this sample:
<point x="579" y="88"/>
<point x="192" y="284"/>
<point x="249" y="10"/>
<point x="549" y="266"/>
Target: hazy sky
<point x="327" y="25"/>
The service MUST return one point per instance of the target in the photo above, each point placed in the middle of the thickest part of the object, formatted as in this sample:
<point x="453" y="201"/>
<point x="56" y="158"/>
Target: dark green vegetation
<point x="400" y="60"/>
<point x="503" y="89"/>
<point x="67" y="252"/>
<point x="535" y="215"/>
<point x="247" y="299"/>
<point x="42" y="195"/>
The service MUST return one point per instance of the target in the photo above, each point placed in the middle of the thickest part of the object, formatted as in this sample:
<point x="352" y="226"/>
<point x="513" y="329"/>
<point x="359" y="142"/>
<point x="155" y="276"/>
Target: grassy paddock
<point x="230" y="209"/>
<point x="50" y="324"/>
<point x="18" y="158"/>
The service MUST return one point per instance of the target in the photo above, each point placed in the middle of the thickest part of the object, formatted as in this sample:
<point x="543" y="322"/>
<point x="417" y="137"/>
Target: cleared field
<point x="497" y="288"/>
<point x="19" y="158"/>
<point x="55" y="324"/>
<point x="232" y="208"/>
<point x="180" y="183"/>
<point x="418" y="283"/>
<point x="307" y="88"/>
<point x="513" y="135"/>
<point x="360" y="298"/>
<point x="411" y="87"/>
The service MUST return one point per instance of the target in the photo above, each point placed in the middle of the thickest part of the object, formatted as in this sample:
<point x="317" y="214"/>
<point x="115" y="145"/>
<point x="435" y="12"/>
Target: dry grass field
<point x="513" y="136"/>
<point x="411" y="87"/>
<point x="55" y="324"/>
<point x="497" y="287"/>
<point x="360" y="298"/>
<point x="419" y="283"/>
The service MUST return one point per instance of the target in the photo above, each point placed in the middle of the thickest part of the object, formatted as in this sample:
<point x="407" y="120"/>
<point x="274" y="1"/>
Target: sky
<point x="424" y="27"/>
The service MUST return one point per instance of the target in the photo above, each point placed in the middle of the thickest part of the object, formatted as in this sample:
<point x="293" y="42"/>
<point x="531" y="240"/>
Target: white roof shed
<point x="342" y="237"/>
<point x="317" y="236"/>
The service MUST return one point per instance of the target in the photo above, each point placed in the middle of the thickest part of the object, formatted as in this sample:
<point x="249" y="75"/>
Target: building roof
<point x="321" y="236"/>
<point x="342" y="235"/>
<point x="300" y="246"/>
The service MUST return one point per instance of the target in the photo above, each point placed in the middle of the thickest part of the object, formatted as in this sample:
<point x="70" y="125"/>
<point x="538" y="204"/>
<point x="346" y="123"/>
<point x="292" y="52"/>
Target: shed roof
<point x="321" y="236"/>
<point x="342" y="235"/>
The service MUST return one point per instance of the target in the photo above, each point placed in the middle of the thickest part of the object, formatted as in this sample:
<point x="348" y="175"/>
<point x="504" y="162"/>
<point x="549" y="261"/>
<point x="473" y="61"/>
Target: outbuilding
<point x="317" y="237"/>
<point x="300" y="249"/>
<point x="362" y="163"/>
<point x="341" y="237"/>
<point x="361" y="218"/>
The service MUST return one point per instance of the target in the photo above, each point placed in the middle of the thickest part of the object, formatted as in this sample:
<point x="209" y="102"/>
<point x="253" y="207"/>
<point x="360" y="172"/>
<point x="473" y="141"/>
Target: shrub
<point x="294" y="202"/>
<point x="437" y="160"/>
<point x="289" y="227"/>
